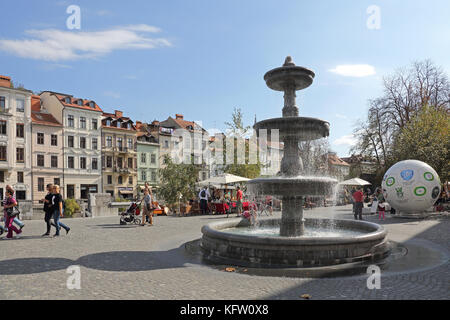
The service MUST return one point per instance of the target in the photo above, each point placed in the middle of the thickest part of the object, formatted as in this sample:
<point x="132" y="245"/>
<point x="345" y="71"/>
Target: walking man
<point x="203" y="196"/>
<point x="358" y="198"/>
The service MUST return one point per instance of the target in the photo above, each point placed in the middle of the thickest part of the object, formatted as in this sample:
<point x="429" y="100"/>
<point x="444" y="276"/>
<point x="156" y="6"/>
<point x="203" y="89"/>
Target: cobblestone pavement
<point x="132" y="262"/>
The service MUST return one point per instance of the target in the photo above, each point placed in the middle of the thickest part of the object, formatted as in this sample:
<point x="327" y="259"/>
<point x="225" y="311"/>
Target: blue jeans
<point x="58" y="223"/>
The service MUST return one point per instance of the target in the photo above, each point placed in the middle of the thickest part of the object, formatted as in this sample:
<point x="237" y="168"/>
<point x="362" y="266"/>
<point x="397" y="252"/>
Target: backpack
<point x="203" y="193"/>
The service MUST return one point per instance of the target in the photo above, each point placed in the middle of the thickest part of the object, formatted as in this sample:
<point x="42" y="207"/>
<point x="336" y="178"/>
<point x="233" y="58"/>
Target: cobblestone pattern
<point x="132" y="262"/>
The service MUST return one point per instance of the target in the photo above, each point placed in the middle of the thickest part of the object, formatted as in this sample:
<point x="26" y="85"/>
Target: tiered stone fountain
<point x="293" y="241"/>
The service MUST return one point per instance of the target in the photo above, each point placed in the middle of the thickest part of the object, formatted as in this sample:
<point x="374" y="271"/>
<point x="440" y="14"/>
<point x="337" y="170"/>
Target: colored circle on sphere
<point x="411" y="186"/>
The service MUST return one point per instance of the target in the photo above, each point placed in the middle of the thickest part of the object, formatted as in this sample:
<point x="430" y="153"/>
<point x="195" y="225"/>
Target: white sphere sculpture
<point x="411" y="187"/>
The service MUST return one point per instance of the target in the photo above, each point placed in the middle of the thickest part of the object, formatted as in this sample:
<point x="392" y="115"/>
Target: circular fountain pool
<point x="325" y="242"/>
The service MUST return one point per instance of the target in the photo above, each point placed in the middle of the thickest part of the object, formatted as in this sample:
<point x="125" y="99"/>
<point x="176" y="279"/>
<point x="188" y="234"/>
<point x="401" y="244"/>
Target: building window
<point x="20" y="155"/>
<point x="71" y="162"/>
<point x="82" y="122"/>
<point x="80" y="102"/>
<point x="143" y="176"/>
<point x="40" y="160"/>
<point x="68" y="100"/>
<point x="54" y="140"/>
<point x="120" y="143"/>
<point x="92" y="105"/>
<point x="82" y="163"/>
<point x="71" y="121"/>
<point x="2" y="153"/>
<point x="94" y="124"/>
<point x="94" y="144"/>
<point x="109" y="179"/>
<point x="120" y="180"/>
<point x="130" y="163"/>
<point x="20" y="130"/>
<point x="57" y="182"/>
<point x="40" y="138"/>
<point x="41" y="186"/>
<point x="54" y="161"/>
<point x="204" y="176"/>
<point x="20" y="177"/>
<point x="94" y="164"/>
<point x="109" y="141"/>
<point x="153" y="176"/>
<point x="2" y="104"/>
<point x="143" y="158"/>
<point x="108" y="123"/>
<point x="109" y="162"/>
<point x="130" y="143"/>
<point x="21" y="195"/>
<point x="20" y="105"/>
<point x="153" y="158"/>
<point x="120" y="163"/>
<point x="166" y="144"/>
<point x="2" y="127"/>
<point x="70" y="141"/>
<point x="2" y="178"/>
<point x="82" y="143"/>
<point x="130" y="180"/>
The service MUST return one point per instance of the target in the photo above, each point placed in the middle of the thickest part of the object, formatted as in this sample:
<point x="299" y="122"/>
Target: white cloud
<point x="348" y="140"/>
<point x="57" y="45"/>
<point x="354" y="70"/>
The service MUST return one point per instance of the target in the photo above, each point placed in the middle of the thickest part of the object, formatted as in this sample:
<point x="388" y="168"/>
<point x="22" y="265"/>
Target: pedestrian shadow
<point x="115" y="261"/>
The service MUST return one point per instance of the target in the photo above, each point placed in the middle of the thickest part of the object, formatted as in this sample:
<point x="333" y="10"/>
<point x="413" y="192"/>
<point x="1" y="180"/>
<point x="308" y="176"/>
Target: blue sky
<point x="203" y="58"/>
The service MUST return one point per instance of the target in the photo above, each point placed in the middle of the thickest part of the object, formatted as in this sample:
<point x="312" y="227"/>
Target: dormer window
<point x="80" y="102"/>
<point x="92" y="104"/>
<point x="108" y="122"/>
<point x="67" y="100"/>
<point x="128" y="125"/>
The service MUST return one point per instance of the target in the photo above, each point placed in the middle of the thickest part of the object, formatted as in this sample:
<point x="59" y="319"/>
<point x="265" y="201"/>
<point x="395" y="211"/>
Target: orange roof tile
<point x="73" y="104"/>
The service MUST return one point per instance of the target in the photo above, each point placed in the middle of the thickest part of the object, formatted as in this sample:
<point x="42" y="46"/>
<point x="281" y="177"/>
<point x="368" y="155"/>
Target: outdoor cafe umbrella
<point x="355" y="182"/>
<point x="224" y="179"/>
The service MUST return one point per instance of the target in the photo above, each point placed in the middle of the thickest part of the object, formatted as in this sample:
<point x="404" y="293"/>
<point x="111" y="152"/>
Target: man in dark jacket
<point x="48" y="209"/>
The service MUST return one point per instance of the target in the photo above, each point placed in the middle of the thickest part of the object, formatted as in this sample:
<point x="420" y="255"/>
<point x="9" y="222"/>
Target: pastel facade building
<point x="15" y="139"/>
<point x="81" y="120"/>
<point x="147" y="156"/>
<point x="119" y="154"/>
<point x="47" y="150"/>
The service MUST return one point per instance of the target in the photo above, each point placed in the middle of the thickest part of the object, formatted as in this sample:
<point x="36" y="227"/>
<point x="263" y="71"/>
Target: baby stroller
<point x="130" y="215"/>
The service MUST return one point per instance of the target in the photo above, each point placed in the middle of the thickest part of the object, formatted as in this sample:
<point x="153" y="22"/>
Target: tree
<point x="426" y="137"/>
<point x="406" y="93"/>
<point x="177" y="181"/>
<point x="314" y="154"/>
<point x="237" y="130"/>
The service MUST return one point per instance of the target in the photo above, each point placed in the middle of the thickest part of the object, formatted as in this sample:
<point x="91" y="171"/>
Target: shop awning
<point x="125" y="192"/>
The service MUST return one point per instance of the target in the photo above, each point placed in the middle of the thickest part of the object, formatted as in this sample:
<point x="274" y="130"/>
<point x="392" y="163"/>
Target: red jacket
<point x="358" y="196"/>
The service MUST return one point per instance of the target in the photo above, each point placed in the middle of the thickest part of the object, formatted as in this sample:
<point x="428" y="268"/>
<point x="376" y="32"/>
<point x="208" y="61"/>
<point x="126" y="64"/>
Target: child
<point x="381" y="208"/>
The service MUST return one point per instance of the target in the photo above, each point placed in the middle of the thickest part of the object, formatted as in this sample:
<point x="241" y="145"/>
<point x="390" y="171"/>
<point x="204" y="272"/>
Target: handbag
<point x="12" y="212"/>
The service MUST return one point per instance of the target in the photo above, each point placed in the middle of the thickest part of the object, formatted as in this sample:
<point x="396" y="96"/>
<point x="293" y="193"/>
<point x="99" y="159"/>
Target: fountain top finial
<point x="288" y="62"/>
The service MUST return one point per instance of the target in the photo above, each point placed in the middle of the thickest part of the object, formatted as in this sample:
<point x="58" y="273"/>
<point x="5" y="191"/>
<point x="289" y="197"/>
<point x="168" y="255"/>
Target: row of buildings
<point x="61" y="139"/>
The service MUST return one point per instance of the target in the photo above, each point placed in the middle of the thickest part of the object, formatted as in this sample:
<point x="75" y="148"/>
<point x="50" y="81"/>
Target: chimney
<point x="155" y="123"/>
<point x="5" y="81"/>
<point x="118" y="114"/>
<point x="179" y="117"/>
<point x="138" y="125"/>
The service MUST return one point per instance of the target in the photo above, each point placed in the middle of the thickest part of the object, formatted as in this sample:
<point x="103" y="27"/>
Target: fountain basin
<point x="222" y="246"/>
<point x="301" y="128"/>
<point x="292" y="186"/>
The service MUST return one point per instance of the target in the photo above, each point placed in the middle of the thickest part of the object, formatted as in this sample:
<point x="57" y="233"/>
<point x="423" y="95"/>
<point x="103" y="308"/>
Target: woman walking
<point x="10" y="203"/>
<point x="57" y="209"/>
<point x="147" y="211"/>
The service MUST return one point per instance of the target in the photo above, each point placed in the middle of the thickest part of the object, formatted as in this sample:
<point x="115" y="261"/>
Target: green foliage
<point x="426" y="138"/>
<point x="71" y="207"/>
<point x="177" y="180"/>
<point x="238" y="130"/>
